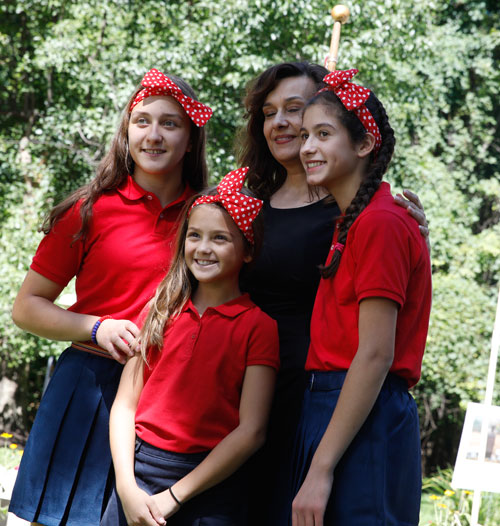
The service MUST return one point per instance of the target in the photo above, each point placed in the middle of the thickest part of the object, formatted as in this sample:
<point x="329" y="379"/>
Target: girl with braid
<point x="357" y="451"/>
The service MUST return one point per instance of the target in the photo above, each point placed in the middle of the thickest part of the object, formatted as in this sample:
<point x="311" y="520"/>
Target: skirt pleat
<point x="66" y="464"/>
<point x="377" y="482"/>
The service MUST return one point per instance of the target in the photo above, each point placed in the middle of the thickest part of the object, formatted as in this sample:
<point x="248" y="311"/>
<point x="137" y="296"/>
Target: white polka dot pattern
<point x="353" y="97"/>
<point x="156" y="83"/>
<point x="243" y="209"/>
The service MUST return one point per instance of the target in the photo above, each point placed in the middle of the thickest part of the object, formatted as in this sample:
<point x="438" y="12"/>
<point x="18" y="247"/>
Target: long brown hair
<point x="177" y="286"/>
<point x="114" y="168"/>
<point x="377" y="167"/>
<point x="265" y="174"/>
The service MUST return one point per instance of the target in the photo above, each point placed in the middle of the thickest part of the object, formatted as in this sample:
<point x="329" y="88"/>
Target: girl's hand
<point x="117" y="337"/>
<point x="140" y="508"/>
<point x="416" y="210"/>
<point x="166" y="504"/>
<point x="309" y="505"/>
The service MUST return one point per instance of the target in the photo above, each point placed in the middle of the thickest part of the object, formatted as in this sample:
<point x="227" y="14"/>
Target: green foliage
<point x="67" y="69"/>
<point x="443" y="505"/>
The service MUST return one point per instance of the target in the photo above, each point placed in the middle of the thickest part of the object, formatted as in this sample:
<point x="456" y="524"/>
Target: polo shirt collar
<point x="231" y="309"/>
<point x="132" y="191"/>
<point x="384" y="190"/>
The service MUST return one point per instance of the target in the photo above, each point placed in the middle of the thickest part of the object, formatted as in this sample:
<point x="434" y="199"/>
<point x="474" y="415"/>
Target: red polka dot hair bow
<point x="156" y="83"/>
<point x="243" y="209"/>
<point x="353" y="97"/>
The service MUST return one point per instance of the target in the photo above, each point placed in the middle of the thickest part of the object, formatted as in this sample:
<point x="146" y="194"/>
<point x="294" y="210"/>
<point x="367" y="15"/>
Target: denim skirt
<point x="378" y="480"/>
<point x="156" y="469"/>
<point x="65" y="469"/>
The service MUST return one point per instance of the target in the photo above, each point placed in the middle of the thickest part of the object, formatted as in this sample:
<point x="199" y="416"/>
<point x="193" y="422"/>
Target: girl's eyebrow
<point x="288" y="99"/>
<point x="162" y="116"/>
<point x="319" y="125"/>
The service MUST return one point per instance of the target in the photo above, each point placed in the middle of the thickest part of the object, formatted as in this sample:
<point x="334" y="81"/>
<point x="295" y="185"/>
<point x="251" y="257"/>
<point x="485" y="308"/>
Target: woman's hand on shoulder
<point x="140" y="508"/>
<point x="118" y="338"/>
<point x="416" y="210"/>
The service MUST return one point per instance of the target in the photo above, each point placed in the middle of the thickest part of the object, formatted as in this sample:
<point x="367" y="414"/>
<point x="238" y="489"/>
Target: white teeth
<point x="154" y="151"/>
<point x="314" y="164"/>
<point x="204" y="262"/>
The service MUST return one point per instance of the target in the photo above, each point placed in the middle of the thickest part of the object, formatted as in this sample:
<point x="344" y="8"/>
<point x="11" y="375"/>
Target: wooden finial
<point x="340" y="13"/>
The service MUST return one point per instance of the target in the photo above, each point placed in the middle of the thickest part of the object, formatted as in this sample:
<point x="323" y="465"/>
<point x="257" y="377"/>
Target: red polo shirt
<point x="125" y="254"/>
<point x="192" y="388"/>
<point x="385" y="256"/>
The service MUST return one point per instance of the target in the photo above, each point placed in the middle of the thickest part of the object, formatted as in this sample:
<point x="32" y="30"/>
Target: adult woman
<point x="298" y="231"/>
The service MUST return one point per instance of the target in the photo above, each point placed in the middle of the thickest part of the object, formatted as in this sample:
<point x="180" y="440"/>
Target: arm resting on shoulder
<point x="231" y="452"/>
<point x="364" y="379"/>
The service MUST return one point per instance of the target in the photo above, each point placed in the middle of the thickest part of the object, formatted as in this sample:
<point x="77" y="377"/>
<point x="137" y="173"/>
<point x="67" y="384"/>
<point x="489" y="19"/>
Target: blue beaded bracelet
<point x="96" y="326"/>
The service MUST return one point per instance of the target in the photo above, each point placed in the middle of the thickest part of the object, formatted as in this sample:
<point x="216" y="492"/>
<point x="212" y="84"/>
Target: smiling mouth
<point x="153" y="152"/>
<point x="205" y="262"/>
<point x="314" y="164"/>
<point x="282" y="139"/>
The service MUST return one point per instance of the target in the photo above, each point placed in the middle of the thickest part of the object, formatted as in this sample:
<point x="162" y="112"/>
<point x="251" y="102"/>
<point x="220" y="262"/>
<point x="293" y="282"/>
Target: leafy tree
<point x="67" y="69"/>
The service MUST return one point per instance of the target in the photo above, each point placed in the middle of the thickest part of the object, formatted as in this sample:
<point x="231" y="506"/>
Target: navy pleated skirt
<point x="378" y="480"/>
<point x="66" y="466"/>
<point x="155" y="470"/>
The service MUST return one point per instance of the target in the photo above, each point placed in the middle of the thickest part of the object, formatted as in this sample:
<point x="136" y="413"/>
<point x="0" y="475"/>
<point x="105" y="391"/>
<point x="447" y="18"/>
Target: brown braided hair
<point x="376" y="169"/>
<point x="114" y="168"/>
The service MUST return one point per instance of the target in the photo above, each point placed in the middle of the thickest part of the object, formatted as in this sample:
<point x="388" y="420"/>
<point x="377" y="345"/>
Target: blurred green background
<point x="67" y="69"/>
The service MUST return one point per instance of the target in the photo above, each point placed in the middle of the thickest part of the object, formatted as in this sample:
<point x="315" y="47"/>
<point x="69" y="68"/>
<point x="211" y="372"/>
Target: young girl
<point x="198" y="400"/>
<point x="115" y="235"/>
<point x="358" y="447"/>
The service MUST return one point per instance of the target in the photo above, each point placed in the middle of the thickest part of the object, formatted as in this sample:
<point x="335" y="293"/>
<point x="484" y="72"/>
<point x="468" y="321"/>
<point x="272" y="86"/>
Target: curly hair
<point x="265" y="174"/>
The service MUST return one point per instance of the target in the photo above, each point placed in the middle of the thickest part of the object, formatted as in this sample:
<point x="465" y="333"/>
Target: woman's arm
<point x="34" y="311"/>
<point x="139" y="507"/>
<point x="236" y="447"/>
<point x="368" y="370"/>
<point x="416" y="210"/>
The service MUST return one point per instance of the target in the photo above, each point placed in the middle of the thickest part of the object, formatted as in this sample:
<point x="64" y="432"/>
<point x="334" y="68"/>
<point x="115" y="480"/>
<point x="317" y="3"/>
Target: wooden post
<point x="340" y="14"/>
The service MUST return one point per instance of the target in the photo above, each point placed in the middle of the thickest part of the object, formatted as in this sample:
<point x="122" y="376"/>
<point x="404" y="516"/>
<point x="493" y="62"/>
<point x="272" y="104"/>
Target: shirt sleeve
<point x="263" y="348"/>
<point x="59" y="256"/>
<point x="381" y="250"/>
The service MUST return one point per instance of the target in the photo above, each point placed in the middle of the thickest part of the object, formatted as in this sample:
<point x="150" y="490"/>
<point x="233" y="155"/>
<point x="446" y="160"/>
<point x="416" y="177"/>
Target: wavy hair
<point x="114" y="168"/>
<point x="265" y="174"/>
<point x="177" y="286"/>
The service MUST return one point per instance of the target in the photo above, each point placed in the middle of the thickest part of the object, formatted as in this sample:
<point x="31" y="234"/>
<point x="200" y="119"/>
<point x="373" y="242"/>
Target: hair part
<point x="115" y="166"/>
<point x="266" y="174"/>
<point x="378" y="162"/>
<point x="177" y="286"/>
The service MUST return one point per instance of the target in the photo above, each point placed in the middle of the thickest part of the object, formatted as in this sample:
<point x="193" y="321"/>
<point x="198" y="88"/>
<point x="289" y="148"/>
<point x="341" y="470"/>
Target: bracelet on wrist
<point x="96" y="326"/>
<point x="179" y="503"/>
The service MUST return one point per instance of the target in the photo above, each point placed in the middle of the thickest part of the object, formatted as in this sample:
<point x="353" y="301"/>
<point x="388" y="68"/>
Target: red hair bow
<point x="353" y="97"/>
<point x="243" y="209"/>
<point x="156" y="83"/>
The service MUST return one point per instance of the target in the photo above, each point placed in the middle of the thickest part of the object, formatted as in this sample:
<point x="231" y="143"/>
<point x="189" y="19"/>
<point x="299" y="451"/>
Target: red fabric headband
<point x="243" y="209"/>
<point x="353" y="97"/>
<point x="156" y="83"/>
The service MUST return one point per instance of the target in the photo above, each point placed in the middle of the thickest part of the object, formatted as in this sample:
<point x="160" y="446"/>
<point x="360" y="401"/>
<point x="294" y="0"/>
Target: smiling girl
<point x="357" y="455"/>
<point x="114" y="234"/>
<point x="195" y="406"/>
